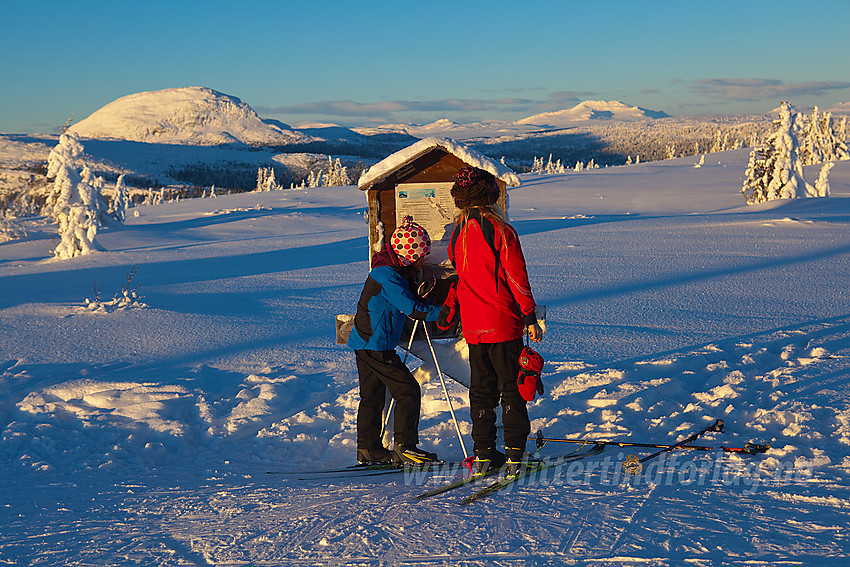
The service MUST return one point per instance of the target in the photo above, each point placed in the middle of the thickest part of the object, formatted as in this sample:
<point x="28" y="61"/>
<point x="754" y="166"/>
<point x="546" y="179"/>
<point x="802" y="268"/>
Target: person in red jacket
<point x="496" y="305"/>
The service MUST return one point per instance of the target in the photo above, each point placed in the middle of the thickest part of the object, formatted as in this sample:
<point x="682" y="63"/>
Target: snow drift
<point x="143" y="436"/>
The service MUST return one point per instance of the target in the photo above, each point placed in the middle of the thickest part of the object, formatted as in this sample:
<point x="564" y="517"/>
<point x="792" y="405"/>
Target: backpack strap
<point x="455" y="234"/>
<point x="488" y="230"/>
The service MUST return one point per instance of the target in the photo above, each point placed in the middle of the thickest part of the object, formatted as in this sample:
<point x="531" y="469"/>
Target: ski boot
<point x="376" y="455"/>
<point x="411" y="455"/>
<point x="517" y="460"/>
<point x="487" y="458"/>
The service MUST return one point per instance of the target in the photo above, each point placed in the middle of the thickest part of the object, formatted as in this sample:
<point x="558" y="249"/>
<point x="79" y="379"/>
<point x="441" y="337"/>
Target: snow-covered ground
<point x="142" y="435"/>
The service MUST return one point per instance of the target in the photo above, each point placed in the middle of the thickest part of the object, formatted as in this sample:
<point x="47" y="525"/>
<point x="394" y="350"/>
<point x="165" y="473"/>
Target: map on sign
<point x="431" y="206"/>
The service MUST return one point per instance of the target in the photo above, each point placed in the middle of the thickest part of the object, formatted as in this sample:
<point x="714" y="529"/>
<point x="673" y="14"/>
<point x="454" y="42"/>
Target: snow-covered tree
<point x="842" y="152"/>
<point x="716" y="143"/>
<point x="64" y="154"/>
<point x="120" y="200"/>
<point x="75" y="204"/>
<point x="266" y="180"/>
<point x="757" y="175"/>
<point x="77" y="223"/>
<point x="314" y="179"/>
<point x="787" y="180"/>
<point x="556" y="167"/>
<point x="821" y="141"/>
<point x="548" y="167"/>
<point x="811" y="143"/>
<point x="538" y="166"/>
<point x="822" y="184"/>
<point x="753" y="140"/>
<point x="775" y="170"/>
<point x="336" y="174"/>
<point x="98" y="204"/>
<point x="10" y="227"/>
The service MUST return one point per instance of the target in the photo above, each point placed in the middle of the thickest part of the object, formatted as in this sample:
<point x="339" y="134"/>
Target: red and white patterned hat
<point x="410" y="241"/>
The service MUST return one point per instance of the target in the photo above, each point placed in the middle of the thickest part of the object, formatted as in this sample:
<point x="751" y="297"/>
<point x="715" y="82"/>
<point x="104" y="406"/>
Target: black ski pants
<point x="494" y="368"/>
<point x="380" y="371"/>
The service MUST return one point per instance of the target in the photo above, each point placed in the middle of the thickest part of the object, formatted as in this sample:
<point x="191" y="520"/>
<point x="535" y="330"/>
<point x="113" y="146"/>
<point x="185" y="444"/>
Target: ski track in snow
<point x="154" y="451"/>
<point x="238" y="519"/>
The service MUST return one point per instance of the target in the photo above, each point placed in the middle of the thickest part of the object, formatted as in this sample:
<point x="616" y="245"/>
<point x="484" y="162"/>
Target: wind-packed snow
<point x="142" y="432"/>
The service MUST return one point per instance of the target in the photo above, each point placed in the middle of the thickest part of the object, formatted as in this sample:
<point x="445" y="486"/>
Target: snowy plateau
<point x="144" y="432"/>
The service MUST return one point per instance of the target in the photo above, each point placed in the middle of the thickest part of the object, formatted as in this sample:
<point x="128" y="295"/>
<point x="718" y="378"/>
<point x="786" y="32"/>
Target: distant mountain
<point x="593" y="110"/>
<point x="445" y="128"/>
<point x="189" y="115"/>
<point x="793" y="108"/>
<point x="840" y="108"/>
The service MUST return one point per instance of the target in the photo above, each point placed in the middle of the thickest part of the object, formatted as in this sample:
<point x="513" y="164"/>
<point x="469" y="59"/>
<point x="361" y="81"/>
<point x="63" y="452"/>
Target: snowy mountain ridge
<point x="200" y="116"/>
<point x="203" y="116"/>
<point x="593" y="110"/>
<point x="189" y="115"/>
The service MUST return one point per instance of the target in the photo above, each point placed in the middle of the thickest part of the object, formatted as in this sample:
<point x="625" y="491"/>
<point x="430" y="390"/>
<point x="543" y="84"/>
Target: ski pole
<point x="633" y="465"/>
<point x="392" y="400"/>
<point x="445" y="391"/>
<point x="749" y="448"/>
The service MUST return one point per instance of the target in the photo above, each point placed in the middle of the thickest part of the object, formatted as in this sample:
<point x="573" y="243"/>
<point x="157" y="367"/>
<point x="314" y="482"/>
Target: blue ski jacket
<point x="385" y="302"/>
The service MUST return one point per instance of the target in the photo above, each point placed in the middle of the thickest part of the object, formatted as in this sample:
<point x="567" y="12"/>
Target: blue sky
<point x="368" y="62"/>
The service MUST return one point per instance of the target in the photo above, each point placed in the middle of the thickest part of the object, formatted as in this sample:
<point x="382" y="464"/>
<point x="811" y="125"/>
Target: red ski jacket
<point x="493" y="292"/>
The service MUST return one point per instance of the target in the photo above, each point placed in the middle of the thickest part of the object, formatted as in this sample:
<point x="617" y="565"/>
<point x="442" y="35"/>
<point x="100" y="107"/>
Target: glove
<point x="528" y="381"/>
<point x="448" y="314"/>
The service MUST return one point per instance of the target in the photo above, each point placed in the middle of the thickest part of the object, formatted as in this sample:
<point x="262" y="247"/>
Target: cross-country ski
<point x="526" y="471"/>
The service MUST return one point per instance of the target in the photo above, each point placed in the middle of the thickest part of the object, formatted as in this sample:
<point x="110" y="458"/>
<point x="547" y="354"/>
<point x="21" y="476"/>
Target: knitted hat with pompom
<point x="410" y="241"/>
<point x="474" y="187"/>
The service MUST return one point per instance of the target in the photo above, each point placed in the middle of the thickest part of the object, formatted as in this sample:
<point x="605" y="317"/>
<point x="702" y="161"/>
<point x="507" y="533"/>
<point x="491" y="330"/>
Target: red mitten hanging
<point x="529" y="382"/>
<point x="449" y="313"/>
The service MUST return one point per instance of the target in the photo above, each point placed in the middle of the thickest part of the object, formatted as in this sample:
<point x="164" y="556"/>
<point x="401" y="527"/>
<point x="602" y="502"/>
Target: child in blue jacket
<point x="386" y="301"/>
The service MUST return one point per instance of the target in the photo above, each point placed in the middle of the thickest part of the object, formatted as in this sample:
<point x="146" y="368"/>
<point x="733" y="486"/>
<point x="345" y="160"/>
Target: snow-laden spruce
<point x="775" y="169"/>
<point x="120" y="200"/>
<point x="821" y="140"/>
<point x="266" y="180"/>
<point x="76" y="202"/>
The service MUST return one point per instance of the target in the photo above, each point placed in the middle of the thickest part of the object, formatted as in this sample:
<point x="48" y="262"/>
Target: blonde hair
<point x="492" y="212"/>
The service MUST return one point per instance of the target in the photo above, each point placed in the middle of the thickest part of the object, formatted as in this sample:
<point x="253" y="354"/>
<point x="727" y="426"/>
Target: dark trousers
<point x="380" y="371"/>
<point x="494" y="368"/>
